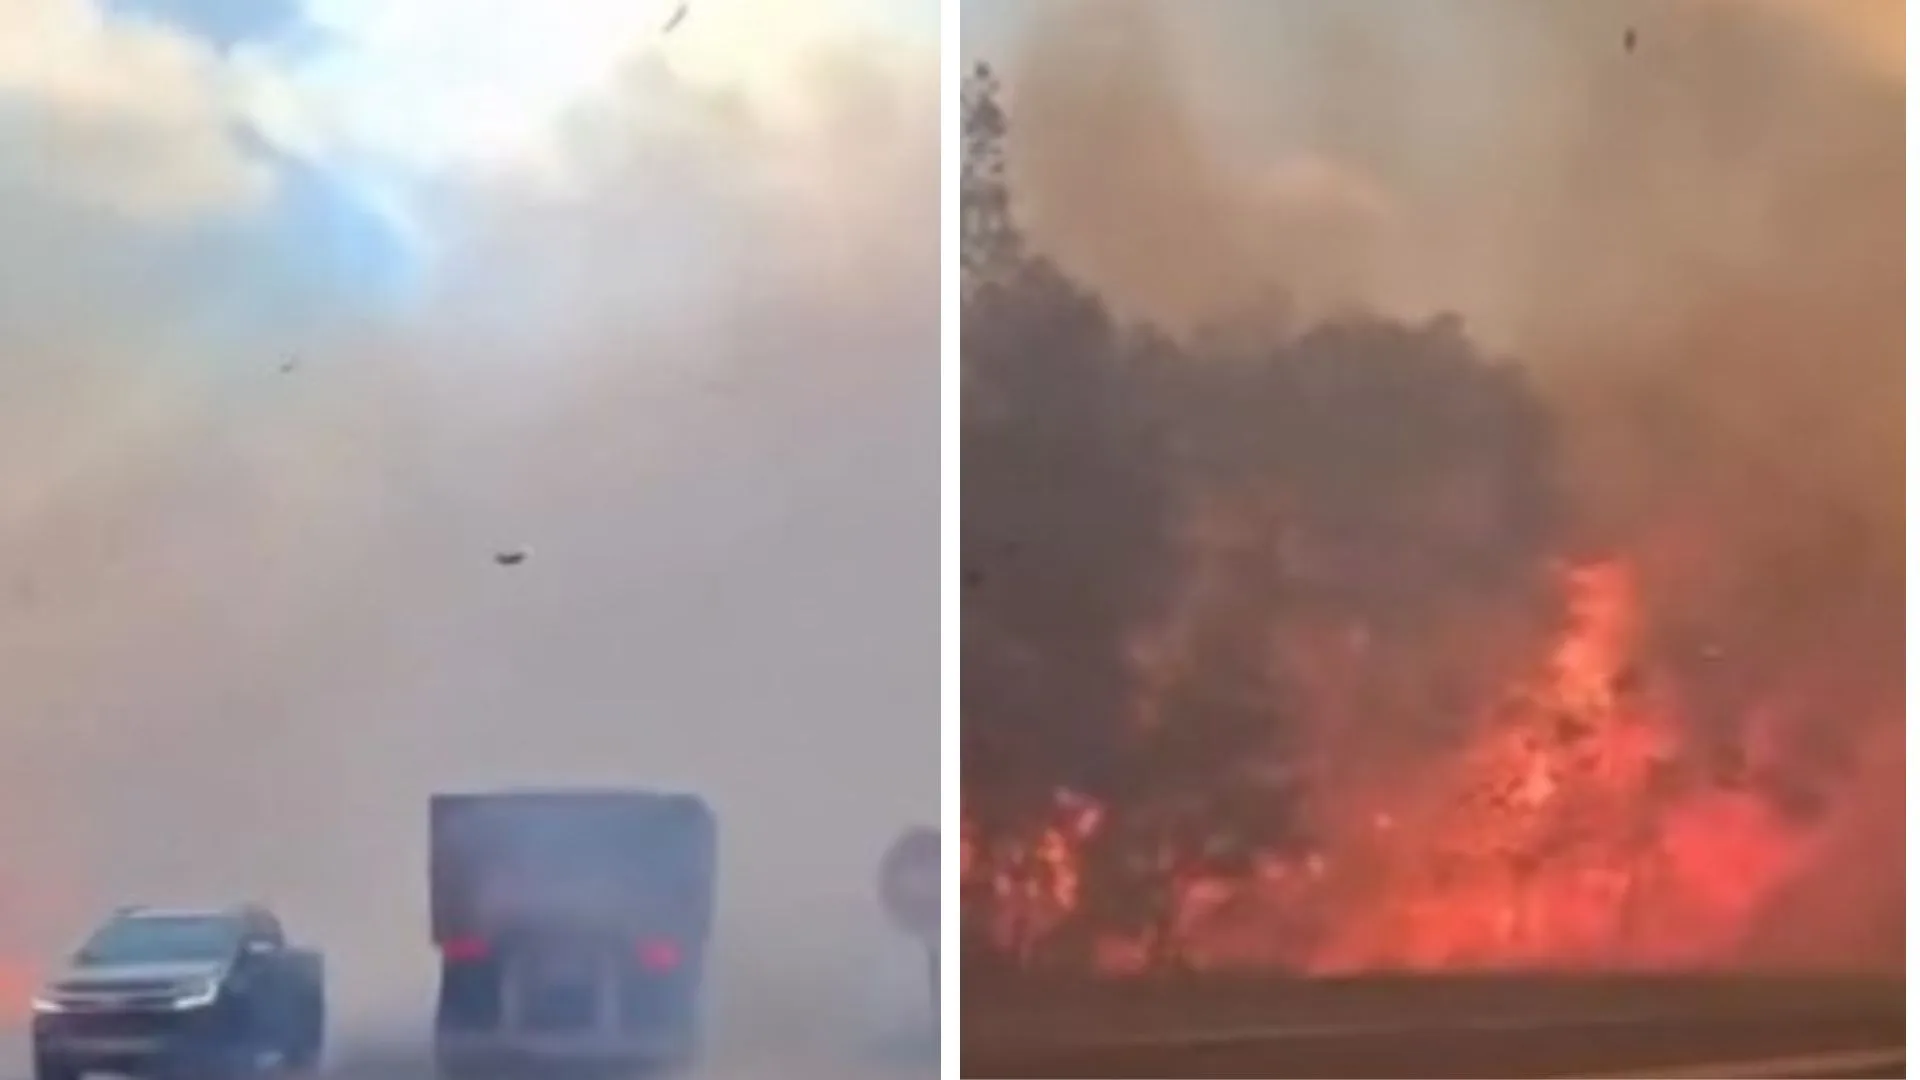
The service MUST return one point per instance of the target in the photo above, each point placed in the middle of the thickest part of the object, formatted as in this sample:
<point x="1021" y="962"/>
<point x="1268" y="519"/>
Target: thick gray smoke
<point x="258" y="468"/>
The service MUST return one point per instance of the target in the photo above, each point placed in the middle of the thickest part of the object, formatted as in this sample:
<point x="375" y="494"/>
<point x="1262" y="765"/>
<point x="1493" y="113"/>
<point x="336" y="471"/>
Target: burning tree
<point x="1064" y="540"/>
<point x="1140" y="511"/>
<point x="1304" y="652"/>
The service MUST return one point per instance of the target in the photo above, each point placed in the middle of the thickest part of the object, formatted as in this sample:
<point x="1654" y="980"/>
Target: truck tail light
<point x="464" y="950"/>
<point x="658" y="955"/>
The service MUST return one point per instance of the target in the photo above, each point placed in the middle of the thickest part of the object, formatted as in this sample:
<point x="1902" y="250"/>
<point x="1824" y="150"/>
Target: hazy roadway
<point x="1865" y="1047"/>
<point x="829" y="1056"/>
<point x="1440" y="1032"/>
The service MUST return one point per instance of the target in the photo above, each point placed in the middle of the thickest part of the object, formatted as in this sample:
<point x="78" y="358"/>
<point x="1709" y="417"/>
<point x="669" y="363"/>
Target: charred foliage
<point x="1171" y="544"/>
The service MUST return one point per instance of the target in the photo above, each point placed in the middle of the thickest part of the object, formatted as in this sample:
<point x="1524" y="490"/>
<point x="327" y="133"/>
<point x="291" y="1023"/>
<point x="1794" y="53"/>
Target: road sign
<point x="910" y="883"/>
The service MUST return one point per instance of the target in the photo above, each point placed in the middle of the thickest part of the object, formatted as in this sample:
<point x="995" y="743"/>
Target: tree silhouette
<point x="1366" y="477"/>
<point x="1063" y="542"/>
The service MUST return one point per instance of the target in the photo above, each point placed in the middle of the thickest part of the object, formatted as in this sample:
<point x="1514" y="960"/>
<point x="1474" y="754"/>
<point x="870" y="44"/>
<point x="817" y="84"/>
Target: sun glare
<point x="444" y="83"/>
<point x="439" y="82"/>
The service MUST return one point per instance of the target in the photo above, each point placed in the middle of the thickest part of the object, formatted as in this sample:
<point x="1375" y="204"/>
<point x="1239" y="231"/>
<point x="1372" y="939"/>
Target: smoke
<point x="1710" y="207"/>
<point x="1680" y="219"/>
<point x="271" y="405"/>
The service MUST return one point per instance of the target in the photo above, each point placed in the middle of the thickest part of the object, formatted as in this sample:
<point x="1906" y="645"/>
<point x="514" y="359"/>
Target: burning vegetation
<point x="1346" y="646"/>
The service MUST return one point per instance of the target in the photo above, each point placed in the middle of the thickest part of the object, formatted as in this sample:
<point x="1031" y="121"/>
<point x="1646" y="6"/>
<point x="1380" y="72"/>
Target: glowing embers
<point x="1577" y="828"/>
<point x="1579" y="822"/>
<point x="1031" y="888"/>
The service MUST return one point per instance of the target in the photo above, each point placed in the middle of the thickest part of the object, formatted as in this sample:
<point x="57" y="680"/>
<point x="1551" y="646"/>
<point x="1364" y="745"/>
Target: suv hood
<point x="83" y="978"/>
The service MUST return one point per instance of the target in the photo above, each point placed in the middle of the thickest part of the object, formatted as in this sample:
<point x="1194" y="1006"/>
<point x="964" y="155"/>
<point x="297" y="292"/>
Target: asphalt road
<point x="401" y="1055"/>
<point x="867" y="1020"/>
<point x="1441" y="1029"/>
<point x="1726" y="1049"/>
<point x="412" y="1063"/>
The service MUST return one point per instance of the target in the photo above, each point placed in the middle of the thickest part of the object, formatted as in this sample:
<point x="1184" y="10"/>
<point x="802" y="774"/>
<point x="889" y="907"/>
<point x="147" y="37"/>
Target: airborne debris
<point x="510" y="558"/>
<point x="673" y="20"/>
<point x="287" y="365"/>
<point x="1630" y="39"/>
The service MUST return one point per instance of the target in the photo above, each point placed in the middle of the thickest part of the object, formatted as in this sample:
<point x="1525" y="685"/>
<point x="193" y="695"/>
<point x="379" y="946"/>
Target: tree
<point x="989" y="243"/>
<point x="1062" y="541"/>
<point x="1371" y="478"/>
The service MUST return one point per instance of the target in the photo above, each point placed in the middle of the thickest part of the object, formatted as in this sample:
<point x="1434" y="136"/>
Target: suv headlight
<point x="46" y="1003"/>
<point x="197" y="995"/>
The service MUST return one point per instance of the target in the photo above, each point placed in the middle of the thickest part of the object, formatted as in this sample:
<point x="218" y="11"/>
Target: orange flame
<point x="1575" y="827"/>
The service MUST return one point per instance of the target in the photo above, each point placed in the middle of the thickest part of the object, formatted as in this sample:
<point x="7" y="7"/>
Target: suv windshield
<point x="161" y="939"/>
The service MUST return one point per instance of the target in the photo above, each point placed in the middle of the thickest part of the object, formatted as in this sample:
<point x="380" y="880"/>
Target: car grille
<point x="119" y="1025"/>
<point x="155" y="1001"/>
<point x="118" y="987"/>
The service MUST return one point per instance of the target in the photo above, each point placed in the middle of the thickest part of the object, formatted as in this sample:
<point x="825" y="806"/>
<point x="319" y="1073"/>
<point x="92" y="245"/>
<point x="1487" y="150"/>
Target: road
<point x="1440" y="1030"/>
<point x="835" y="1013"/>
<point x="402" y="1055"/>
<point x="1727" y="1049"/>
<point x="411" y="1063"/>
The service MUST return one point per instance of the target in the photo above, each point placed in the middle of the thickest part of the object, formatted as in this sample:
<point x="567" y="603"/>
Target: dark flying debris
<point x="971" y="578"/>
<point x="510" y="558"/>
<point x="1630" y="39"/>
<point x="679" y="13"/>
<point x="287" y="365"/>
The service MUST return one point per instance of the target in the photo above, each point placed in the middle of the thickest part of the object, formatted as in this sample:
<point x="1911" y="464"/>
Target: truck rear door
<point x="571" y="917"/>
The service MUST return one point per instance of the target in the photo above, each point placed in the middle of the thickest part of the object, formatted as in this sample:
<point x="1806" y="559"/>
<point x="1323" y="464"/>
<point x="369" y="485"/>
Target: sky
<point x="309" y="308"/>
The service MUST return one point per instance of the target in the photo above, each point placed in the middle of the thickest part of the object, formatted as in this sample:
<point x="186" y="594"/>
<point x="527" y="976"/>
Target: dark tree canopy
<point x="1066" y="505"/>
<point x="1378" y="474"/>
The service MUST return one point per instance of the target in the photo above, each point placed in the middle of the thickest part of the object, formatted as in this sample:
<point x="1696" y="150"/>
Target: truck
<point x="572" y="928"/>
<point x="910" y="894"/>
<point x="203" y="993"/>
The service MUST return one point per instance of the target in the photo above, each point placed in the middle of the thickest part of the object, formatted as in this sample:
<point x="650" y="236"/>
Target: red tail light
<point x="657" y="954"/>
<point x="464" y="950"/>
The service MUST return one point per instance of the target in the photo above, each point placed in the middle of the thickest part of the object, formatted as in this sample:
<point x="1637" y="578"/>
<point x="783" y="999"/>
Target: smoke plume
<point x="272" y="403"/>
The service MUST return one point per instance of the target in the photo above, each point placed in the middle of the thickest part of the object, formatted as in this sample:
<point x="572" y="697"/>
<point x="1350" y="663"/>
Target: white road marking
<point x="1270" y="1032"/>
<point x="1785" y="1068"/>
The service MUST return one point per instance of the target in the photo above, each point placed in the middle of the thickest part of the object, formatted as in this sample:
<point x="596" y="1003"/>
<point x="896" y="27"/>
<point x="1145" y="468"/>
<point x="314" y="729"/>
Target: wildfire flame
<point x="1576" y="826"/>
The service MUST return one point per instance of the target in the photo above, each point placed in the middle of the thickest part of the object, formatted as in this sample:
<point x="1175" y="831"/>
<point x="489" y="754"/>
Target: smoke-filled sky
<point x="308" y="309"/>
<point x="1713" y="214"/>
<point x="1709" y="220"/>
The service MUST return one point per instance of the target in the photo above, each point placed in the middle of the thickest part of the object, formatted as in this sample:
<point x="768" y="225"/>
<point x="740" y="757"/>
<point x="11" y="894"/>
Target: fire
<point x="1577" y="825"/>
<point x="17" y="983"/>
<point x="1362" y="647"/>
<point x="1579" y="828"/>
<point x="1031" y="888"/>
